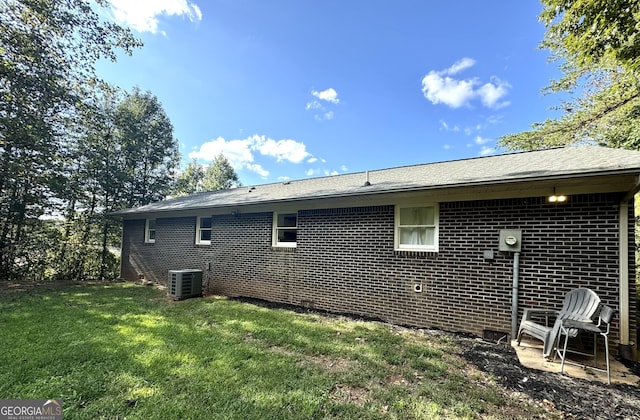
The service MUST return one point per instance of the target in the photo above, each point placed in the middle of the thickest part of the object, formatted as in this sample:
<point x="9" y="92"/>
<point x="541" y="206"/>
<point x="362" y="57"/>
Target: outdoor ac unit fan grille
<point x="184" y="283"/>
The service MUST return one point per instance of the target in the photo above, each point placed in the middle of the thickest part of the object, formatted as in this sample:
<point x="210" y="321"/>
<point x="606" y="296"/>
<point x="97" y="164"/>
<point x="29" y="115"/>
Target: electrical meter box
<point x="510" y="240"/>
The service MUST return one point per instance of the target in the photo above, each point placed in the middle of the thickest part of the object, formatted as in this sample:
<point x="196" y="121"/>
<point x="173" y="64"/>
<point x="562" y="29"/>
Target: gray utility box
<point x="183" y="284"/>
<point x="510" y="240"/>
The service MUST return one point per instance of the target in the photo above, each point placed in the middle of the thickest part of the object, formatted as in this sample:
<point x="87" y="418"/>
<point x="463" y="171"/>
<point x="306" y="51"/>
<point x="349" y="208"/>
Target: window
<point x="203" y="231"/>
<point x="285" y="229"/>
<point x="417" y="228"/>
<point x="150" y="231"/>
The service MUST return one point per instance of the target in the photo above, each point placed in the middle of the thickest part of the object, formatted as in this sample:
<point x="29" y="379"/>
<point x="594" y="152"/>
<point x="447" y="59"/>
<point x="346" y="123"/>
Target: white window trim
<point x="198" y="230"/>
<point x="147" y="236"/>
<point x="416" y="248"/>
<point x="274" y="234"/>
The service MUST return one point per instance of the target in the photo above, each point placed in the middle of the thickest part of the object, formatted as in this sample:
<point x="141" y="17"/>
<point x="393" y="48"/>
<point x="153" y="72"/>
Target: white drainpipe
<point x="623" y="262"/>
<point x="623" y="265"/>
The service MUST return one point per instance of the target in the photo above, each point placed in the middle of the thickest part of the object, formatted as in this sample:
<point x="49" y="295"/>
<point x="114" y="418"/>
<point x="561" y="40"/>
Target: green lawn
<point x="124" y="350"/>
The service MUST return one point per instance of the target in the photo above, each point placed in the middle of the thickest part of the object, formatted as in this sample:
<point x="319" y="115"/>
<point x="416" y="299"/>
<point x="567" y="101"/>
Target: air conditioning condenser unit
<point x="183" y="284"/>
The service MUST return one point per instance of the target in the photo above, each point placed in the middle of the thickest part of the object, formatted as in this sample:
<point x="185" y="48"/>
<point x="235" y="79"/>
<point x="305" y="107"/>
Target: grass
<point x="124" y="350"/>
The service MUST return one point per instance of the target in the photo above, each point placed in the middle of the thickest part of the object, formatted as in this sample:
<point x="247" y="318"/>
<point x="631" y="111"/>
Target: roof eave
<point x="371" y="191"/>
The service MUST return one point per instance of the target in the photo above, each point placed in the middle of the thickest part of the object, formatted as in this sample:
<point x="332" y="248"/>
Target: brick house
<point x="417" y="245"/>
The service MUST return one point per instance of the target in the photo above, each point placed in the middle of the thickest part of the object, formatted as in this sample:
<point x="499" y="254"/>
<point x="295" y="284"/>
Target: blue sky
<point x="291" y="89"/>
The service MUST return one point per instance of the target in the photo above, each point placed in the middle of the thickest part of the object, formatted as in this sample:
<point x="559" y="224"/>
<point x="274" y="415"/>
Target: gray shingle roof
<point x="567" y="162"/>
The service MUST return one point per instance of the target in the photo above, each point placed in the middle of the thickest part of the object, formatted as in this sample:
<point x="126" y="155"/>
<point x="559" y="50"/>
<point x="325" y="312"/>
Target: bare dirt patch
<point x="350" y="394"/>
<point x="334" y="365"/>
<point x="331" y="364"/>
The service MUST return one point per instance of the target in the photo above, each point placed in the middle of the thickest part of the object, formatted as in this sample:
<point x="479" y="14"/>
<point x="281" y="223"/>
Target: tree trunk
<point x="103" y="262"/>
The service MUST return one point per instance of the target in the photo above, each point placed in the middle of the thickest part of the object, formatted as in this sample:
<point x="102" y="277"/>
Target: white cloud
<point x="313" y="105"/>
<point x="446" y="147"/>
<point x="486" y="150"/>
<point x="480" y="140"/>
<point x="448" y="91"/>
<point x="324" y="98"/>
<point x="494" y="119"/>
<point x="327" y="116"/>
<point x="312" y="160"/>
<point x="241" y="153"/>
<point x="490" y="93"/>
<point x="444" y="126"/>
<point x="254" y="167"/>
<point x="460" y="65"/>
<point x="329" y="95"/>
<point x="322" y="172"/>
<point x="142" y="15"/>
<point x="343" y="168"/>
<point x="440" y="87"/>
<point x="237" y="151"/>
<point x="290" y="150"/>
<point x="324" y="117"/>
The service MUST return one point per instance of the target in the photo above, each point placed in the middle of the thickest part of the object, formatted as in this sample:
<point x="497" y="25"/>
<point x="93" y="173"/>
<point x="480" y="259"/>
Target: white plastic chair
<point x="579" y="304"/>
<point x="571" y="328"/>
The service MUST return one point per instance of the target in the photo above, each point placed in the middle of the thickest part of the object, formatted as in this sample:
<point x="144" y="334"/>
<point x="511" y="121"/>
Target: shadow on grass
<point x="126" y="351"/>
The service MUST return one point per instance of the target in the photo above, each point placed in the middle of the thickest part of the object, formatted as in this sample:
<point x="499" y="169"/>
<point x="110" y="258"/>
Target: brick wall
<point x="174" y="249"/>
<point x="345" y="261"/>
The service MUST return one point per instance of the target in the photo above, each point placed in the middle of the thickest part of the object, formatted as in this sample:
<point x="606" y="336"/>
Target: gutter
<point x="371" y="190"/>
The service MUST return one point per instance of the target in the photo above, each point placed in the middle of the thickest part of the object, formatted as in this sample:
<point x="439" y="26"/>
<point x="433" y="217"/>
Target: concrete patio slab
<point x="530" y="355"/>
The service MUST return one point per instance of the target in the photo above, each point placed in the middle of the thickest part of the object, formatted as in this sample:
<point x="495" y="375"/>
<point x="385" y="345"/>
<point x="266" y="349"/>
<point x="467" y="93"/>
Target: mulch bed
<point x="574" y="397"/>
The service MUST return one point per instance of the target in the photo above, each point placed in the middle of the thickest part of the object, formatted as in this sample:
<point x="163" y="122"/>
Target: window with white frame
<point x="150" y="231"/>
<point x="416" y="227"/>
<point x="203" y="230"/>
<point x="285" y="229"/>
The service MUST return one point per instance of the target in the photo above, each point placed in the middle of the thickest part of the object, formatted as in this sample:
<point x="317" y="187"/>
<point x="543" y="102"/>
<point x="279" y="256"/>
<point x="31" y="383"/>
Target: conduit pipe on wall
<point x="514" y="297"/>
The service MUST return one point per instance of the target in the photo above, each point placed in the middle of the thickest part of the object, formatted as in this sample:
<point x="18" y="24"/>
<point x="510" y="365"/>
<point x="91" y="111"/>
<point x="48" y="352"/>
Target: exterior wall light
<point x="557" y="198"/>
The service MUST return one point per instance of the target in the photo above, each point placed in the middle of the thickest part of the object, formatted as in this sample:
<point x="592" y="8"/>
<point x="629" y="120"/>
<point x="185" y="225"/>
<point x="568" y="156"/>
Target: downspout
<point x="623" y="263"/>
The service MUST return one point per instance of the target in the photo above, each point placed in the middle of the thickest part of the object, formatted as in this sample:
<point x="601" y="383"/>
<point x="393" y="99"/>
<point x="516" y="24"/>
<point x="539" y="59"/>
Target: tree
<point x="125" y="157"/>
<point x="190" y="180"/>
<point x="597" y="44"/>
<point x="94" y="185"/>
<point x="220" y="175"/>
<point x="588" y="33"/>
<point x="48" y="51"/>
<point x="148" y="147"/>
